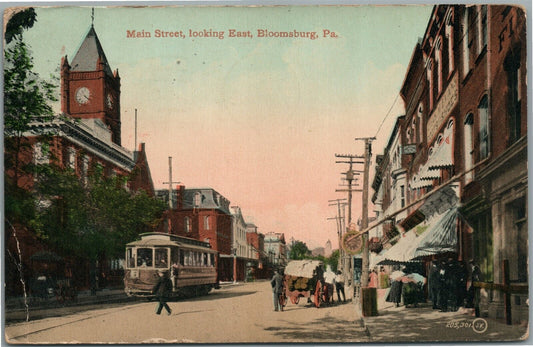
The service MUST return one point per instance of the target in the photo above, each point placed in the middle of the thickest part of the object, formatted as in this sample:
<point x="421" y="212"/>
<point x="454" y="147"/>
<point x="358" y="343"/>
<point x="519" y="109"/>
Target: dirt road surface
<point x="236" y="314"/>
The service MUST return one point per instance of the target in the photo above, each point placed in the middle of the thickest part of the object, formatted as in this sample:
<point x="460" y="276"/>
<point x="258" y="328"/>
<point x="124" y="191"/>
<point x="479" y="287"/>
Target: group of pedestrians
<point x="447" y="285"/>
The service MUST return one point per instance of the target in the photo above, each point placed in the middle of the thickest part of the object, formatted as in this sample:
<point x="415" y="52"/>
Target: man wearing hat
<point x="162" y="290"/>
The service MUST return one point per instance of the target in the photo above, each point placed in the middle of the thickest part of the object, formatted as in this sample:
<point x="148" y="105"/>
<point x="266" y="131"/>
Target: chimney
<point x="180" y="192"/>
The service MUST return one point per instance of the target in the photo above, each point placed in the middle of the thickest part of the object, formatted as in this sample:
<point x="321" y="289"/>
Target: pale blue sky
<point x="258" y="119"/>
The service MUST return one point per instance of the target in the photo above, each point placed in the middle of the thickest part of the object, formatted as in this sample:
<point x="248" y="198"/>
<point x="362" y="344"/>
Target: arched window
<point x="429" y="71"/>
<point x="207" y="224"/>
<point x="449" y="36"/>
<point x="467" y="146"/>
<point x="438" y="66"/>
<point x="484" y="128"/>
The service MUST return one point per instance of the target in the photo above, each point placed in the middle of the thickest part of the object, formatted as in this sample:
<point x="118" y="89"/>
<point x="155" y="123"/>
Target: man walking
<point x="339" y="284"/>
<point x="277" y="288"/>
<point x="162" y="291"/>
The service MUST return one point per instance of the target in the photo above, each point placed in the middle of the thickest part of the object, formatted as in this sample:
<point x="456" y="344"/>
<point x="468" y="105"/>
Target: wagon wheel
<point x="325" y="294"/>
<point x="318" y="294"/>
<point x="295" y="299"/>
<point x="282" y="300"/>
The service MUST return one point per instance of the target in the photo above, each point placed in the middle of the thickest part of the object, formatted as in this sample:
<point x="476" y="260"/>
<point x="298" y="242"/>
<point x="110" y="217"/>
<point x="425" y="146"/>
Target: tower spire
<point x="92" y="18"/>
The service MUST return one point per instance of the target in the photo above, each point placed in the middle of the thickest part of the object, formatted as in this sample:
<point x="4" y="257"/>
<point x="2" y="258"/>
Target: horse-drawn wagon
<point x="305" y="278"/>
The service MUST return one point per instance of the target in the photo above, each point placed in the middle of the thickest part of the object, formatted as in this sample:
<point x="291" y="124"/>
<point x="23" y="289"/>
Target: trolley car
<point x="191" y="265"/>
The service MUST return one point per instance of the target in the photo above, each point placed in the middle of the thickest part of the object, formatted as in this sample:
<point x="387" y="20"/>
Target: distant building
<point x="202" y="214"/>
<point x="328" y="249"/>
<point x="276" y="248"/>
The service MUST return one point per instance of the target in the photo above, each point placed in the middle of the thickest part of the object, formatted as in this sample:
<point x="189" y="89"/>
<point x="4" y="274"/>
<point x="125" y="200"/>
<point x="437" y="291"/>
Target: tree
<point x="26" y="95"/>
<point x="298" y="251"/>
<point x="95" y="220"/>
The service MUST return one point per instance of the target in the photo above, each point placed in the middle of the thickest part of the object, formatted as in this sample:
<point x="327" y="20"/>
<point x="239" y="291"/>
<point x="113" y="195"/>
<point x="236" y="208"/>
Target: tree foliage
<point x="26" y="95"/>
<point x="299" y="251"/>
<point x="94" y="219"/>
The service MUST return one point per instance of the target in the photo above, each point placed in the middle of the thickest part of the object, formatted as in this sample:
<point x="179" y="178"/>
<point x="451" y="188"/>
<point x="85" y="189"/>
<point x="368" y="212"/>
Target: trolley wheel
<point x="318" y="294"/>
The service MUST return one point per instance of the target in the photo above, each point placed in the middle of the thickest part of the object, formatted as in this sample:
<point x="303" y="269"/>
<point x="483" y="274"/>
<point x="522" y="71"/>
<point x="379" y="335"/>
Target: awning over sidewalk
<point x="441" y="237"/>
<point x="403" y="251"/>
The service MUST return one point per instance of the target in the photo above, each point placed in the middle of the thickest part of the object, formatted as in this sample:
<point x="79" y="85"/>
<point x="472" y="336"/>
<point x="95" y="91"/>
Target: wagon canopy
<point x="303" y="268"/>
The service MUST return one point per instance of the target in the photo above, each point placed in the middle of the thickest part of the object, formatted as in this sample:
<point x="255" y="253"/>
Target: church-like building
<point x="86" y="135"/>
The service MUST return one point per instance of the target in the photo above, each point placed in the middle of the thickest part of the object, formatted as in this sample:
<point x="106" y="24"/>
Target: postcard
<point x="192" y="174"/>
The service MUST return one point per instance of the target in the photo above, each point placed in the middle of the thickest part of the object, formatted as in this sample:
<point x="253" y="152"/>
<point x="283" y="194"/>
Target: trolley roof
<point x="162" y="239"/>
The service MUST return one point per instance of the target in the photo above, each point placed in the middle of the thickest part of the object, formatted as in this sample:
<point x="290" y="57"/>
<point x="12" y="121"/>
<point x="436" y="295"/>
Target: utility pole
<point x="170" y="183"/>
<point x="364" y="218"/>
<point x="348" y="268"/>
<point x="340" y="227"/>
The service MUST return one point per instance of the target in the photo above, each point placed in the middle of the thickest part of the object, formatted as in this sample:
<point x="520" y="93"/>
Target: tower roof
<point x="89" y="54"/>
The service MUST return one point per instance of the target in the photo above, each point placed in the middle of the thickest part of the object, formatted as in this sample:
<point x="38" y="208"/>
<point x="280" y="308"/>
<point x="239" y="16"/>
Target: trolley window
<point x="161" y="258"/>
<point x="130" y="258"/>
<point x="144" y="257"/>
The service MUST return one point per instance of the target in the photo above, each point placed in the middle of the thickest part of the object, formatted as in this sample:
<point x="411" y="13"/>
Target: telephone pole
<point x="364" y="215"/>
<point x="340" y="227"/>
<point x="348" y="268"/>
<point x="170" y="183"/>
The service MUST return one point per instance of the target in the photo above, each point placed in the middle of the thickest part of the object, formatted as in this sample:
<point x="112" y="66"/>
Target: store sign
<point x="409" y="149"/>
<point x="352" y="242"/>
<point x="443" y="109"/>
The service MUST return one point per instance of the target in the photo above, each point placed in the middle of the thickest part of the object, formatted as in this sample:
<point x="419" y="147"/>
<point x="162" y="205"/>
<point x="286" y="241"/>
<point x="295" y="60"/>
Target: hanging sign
<point x="352" y="242"/>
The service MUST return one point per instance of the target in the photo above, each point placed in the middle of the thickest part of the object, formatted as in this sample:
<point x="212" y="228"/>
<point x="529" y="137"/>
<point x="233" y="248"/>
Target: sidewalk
<point x="15" y="307"/>
<point x="423" y="324"/>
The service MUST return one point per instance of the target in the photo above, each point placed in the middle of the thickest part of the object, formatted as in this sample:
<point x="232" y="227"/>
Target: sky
<point x="258" y="119"/>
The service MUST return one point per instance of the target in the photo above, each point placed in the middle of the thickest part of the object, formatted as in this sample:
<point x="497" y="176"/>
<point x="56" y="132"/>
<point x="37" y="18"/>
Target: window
<point x="466" y="43"/>
<point x="449" y="35"/>
<point x="438" y="67"/>
<point x="513" y="69"/>
<point x="85" y="169"/>
<point x="144" y="257"/>
<point x="197" y="199"/>
<point x="41" y="153"/>
<point x="467" y="146"/>
<point x="482" y="28"/>
<point x="206" y="223"/>
<point x="130" y="258"/>
<point x="71" y="158"/>
<point x="429" y="72"/>
<point x="402" y="196"/>
<point x="161" y="258"/>
<point x="420" y="115"/>
<point x="484" y="130"/>
<point x="187" y="225"/>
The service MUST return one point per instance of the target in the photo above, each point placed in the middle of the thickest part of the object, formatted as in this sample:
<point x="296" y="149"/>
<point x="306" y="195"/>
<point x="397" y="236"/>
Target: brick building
<point x="466" y="120"/>
<point x="202" y="214"/>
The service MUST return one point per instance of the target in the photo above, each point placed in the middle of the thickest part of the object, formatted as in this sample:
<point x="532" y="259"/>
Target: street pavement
<point x="423" y="324"/>
<point x="393" y="324"/>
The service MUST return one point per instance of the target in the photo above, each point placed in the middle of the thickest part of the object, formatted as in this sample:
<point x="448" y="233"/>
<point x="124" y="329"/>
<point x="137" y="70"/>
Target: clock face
<point x="82" y="95"/>
<point x="109" y="101"/>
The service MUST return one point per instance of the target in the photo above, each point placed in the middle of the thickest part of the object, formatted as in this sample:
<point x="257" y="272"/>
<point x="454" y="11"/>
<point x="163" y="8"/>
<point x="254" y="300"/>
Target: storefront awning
<point x="403" y="251"/>
<point x="441" y="237"/>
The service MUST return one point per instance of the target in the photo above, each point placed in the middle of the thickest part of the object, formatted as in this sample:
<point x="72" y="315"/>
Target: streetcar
<point x="190" y="264"/>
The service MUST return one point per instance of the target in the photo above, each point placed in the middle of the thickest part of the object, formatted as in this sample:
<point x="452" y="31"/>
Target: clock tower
<point x="89" y="89"/>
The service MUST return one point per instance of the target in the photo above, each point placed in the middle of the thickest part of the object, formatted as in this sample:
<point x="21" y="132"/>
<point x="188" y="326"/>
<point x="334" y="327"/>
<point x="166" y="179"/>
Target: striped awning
<point x="441" y="236"/>
<point x="403" y="251"/>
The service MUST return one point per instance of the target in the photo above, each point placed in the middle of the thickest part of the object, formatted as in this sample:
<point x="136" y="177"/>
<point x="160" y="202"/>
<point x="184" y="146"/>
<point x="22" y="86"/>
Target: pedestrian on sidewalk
<point x="162" y="291"/>
<point x="339" y="285"/>
<point x="277" y="287"/>
<point x="329" y="278"/>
